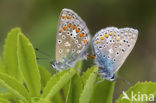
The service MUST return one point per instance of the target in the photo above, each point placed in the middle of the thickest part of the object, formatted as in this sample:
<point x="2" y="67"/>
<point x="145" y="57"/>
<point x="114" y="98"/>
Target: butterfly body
<point x="111" y="47"/>
<point x="72" y="40"/>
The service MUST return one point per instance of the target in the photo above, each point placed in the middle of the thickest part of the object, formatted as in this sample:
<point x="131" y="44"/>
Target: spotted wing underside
<point x="115" y="45"/>
<point x="72" y="36"/>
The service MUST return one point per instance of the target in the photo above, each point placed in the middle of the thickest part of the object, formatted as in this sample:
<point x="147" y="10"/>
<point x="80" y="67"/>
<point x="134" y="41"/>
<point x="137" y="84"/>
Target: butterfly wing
<point x="72" y="36"/>
<point x="112" y="46"/>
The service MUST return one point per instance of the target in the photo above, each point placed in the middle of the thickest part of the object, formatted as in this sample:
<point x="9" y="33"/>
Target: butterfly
<point x="111" y="47"/>
<point x="72" y="40"/>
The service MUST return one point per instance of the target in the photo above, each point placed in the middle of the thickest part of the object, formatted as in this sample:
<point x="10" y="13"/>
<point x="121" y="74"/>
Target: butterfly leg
<point x="73" y="67"/>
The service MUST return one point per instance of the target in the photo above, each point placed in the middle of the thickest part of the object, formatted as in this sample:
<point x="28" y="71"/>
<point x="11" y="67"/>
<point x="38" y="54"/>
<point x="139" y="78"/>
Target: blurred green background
<point x="38" y="21"/>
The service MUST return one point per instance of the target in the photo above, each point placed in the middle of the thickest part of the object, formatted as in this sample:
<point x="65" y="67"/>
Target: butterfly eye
<point x="53" y="64"/>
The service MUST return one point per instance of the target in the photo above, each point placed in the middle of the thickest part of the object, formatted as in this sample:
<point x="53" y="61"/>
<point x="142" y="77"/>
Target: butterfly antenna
<point x="41" y="52"/>
<point x="43" y="58"/>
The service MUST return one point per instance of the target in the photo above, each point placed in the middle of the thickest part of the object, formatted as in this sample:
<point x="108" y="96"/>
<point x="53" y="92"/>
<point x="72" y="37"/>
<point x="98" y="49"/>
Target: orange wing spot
<point x="120" y="43"/>
<point x="81" y="34"/>
<point x="64" y="27"/>
<point x="106" y="35"/>
<point x="74" y="27"/>
<point x="63" y="17"/>
<point x="101" y="37"/>
<point x="97" y="42"/>
<point x="84" y="41"/>
<point x="69" y="25"/>
<point x="114" y="34"/>
<point x="117" y="38"/>
<point x="60" y="31"/>
<point x="68" y="17"/>
<point x="91" y="56"/>
<point x="110" y="34"/>
<point x="77" y="30"/>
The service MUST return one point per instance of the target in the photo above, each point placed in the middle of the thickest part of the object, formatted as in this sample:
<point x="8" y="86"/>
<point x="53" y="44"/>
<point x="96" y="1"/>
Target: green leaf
<point x="78" y="68"/>
<point x="28" y="65"/>
<point x="78" y="65"/>
<point x="58" y="98"/>
<point x="2" y="100"/>
<point x="10" y="54"/>
<point x="1" y="66"/>
<point x="45" y="75"/>
<point x="89" y="80"/>
<point x="14" y="87"/>
<point x="55" y="83"/>
<point x="75" y="89"/>
<point x="9" y="97"/>
<point x="103" y="92"/>
<point x="139" y="89"/>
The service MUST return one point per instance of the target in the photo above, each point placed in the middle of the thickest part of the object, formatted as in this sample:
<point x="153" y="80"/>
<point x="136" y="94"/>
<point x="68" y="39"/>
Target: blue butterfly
<point x="111" y="47"/>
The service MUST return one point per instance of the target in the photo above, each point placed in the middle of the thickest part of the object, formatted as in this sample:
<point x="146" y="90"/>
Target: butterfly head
<point x="106" y="74"/>
<point x="59" y="65"/>
<point x="54" y="64"/>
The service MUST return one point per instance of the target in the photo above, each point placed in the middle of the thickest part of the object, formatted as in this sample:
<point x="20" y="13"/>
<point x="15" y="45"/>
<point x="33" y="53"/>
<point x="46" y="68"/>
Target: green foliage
<point x="14" y="87"/>
<point x="9" y="97"/>
<point x="57" y="82"/>
<point x="2" y="100"/>
<point x="10" y="54"/>
<point x="75" y="88"/>
<point x="36" y="85"/>
<point x="143" y="88"/>
<point x="45" y="76"/>
<point x="28" y="65"/>
<point x="1" y="66"/>
<point x="89" y="80"/>
<point x="103" y="92"/>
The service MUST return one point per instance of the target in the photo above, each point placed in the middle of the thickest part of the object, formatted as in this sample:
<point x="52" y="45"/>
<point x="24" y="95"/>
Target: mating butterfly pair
<point x="111" y="45"/>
